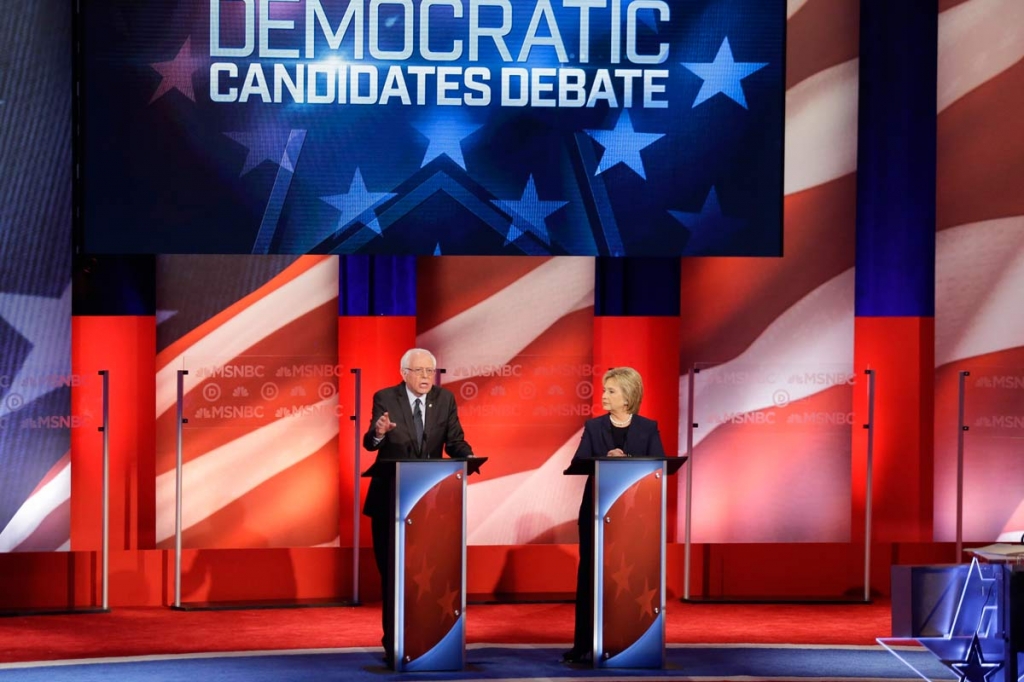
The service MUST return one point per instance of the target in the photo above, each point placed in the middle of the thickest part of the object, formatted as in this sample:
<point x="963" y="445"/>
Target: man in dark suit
<point x="416" y="419"/>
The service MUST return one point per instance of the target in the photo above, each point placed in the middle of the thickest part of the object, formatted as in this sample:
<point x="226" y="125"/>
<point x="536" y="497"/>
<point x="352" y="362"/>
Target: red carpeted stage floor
<point x="141" y="631"/>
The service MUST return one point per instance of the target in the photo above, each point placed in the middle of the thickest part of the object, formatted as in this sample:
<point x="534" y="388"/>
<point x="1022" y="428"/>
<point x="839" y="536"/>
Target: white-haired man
<point x="416" y="419"/>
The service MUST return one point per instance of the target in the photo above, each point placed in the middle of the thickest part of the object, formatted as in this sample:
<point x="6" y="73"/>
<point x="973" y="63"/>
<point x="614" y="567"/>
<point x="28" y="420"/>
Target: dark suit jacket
<point x="642" y="440"/>
<point x="441" y="431"/>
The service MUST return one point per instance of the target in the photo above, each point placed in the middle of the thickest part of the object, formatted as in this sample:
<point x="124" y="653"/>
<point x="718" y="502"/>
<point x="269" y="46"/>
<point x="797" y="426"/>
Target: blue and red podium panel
<point x="430" y="561"/>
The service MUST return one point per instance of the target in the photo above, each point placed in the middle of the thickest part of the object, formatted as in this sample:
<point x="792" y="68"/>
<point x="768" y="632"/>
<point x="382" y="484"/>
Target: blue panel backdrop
<point x="896" y="159"/>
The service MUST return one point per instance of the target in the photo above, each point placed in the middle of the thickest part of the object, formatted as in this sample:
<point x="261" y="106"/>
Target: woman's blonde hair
<point x="630" y="383"/>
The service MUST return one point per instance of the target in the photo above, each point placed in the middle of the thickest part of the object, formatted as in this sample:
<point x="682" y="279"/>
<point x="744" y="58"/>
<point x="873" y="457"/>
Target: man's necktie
<point x="417" y="417"/>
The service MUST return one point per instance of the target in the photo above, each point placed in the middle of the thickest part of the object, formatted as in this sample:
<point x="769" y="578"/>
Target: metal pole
<point x="962" y="428"/>
<point x="357" y="485"/>
<point x="689" y="481"/>
<point x="177" y="489"/>
<point x="870" y="426"/>
<point x="105" y="429"/>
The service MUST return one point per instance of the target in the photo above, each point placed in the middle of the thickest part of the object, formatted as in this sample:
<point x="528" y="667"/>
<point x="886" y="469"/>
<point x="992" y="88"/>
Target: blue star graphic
<point x="623" y="144"/>
<point x="356" y="202"/>
<point x="529" y="214"/>
<point x="266" y="144"/>
<point x="445" y="137"/>
<point x="973" y="668"/>
<point x="708" y="229"/>
<point x="723" y="76"/>
<point x="45" y="322"/>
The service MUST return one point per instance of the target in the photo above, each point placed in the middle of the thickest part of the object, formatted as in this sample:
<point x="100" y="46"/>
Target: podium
<point x="629" y="557"/>
<point x="969" y="616"/>
<point x="428" y="567"/>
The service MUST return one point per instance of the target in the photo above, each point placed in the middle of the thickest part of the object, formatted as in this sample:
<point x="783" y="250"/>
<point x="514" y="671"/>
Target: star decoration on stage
<point x="44" y="322"/>
<point x="529" y="213"/>
<point x="422" y="578"/>
<point x="978" y="619"/>
<point x="356" y="202"/>
<point x="973" y="668"/>
<point x="269" y="143"/>
<point x="177" y="73"/>
<point x="646" y="600"/>
<point x="621" y="576"/>
<point x="447" y="603"/>
<point x="445" y="136"/>
<point x="723" y="75"/>
<point x="708" y="229"/>
<point x="623" y="145"/>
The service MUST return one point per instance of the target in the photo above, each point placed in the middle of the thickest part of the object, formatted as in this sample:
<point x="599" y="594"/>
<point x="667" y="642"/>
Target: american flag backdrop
<point x="515" y="337"/>
<point x="258" y="336"/>
<point x="35" y="277"/>
<point x="774" y="338"/>
<point x="979" y="270"/>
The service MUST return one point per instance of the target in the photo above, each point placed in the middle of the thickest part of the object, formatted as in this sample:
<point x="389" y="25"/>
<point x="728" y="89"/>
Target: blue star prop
<point x="529" y="214"/>
<point x="266" y="144"/>
<point x="45" y="322"/>
<point x="445" y="137"/>
<point x="356" y="202"/>
<point x="723" y="76"/>
<point x="974" y="668"/>
<point x="708" y="229"/>
<point x="623" y="144"/>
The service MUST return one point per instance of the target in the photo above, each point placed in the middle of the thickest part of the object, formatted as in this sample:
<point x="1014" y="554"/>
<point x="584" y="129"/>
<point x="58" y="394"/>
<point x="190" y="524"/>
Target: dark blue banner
<point x="566" y="127"/>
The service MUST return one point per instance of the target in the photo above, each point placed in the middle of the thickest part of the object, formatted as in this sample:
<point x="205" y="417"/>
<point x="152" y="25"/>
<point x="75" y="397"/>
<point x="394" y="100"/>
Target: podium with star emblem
<point x="629" y="558"/>
<point x="429" y="563"/>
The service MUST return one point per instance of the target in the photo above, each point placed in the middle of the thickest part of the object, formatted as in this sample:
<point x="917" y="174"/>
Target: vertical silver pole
<point x="462" y="614"/>
<point x="689" y="481"/>
<point x="357" y="418"/>
<point x="662" y="551"/>
<point x="105" y="429"/>
<point x="177" y="490"/>
<point x="870" y="426"/>
<point x="597" y="595"/>
<point x="398" y="580"/>
<point x="961" y="429"/>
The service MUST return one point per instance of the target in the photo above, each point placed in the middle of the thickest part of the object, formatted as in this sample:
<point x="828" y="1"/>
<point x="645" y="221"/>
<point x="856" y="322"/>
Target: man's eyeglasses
<point x="422" y="371"/>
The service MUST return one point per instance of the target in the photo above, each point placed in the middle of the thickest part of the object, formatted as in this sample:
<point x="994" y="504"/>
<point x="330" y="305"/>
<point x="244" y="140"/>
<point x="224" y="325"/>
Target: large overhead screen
<point x="583" y="127"/>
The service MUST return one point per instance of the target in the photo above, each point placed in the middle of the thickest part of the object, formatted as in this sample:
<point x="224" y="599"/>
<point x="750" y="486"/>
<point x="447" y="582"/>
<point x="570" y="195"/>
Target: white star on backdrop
<point x="40" y="320"/>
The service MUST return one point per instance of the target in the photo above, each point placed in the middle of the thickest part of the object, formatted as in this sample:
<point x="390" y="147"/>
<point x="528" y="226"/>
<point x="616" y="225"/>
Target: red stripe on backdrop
<point x="375" y="346"/>
<point x="281" y="280"/>
<point x="296" y="508"/>
<point x="44" y="538"/>
<point x="726" y="303"/>
<point x="565" y="339"/>
<point x="901" y="351"/>
<point x="298" y="341"/>
<point x="457" y="283"/>
<point x="822" y="34"/>
<point x="980" y="149"/>
<point x="993" y="467"/>
<point x="125" y="346"/>
<point x="647" y="344"/>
